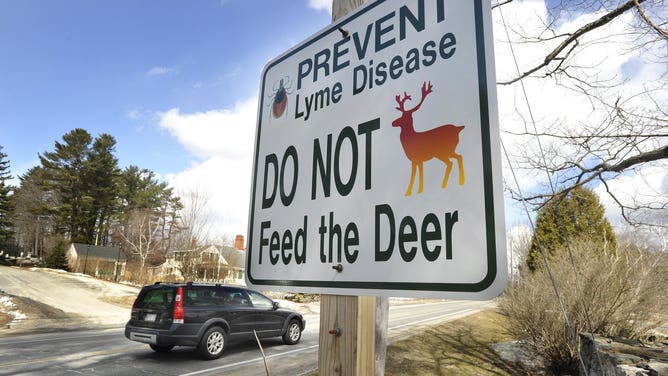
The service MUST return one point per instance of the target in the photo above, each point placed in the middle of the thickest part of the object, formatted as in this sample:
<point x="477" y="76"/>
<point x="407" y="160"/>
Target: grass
<point x="461" y="347"/>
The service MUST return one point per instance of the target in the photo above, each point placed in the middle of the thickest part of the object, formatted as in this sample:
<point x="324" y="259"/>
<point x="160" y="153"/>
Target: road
<point x="105" y="351"/>
<point x="108" y="352"/>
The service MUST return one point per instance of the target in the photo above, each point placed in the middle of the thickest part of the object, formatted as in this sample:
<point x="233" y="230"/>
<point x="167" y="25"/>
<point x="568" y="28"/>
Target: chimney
<point x="239" y="242"/>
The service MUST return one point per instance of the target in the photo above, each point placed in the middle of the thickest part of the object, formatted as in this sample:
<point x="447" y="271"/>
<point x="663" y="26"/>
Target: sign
<point x="377" y="167"/>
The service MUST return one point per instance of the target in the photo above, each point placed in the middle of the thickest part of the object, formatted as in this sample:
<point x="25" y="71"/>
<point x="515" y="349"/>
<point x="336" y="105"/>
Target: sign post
<point x="377" y="166"/>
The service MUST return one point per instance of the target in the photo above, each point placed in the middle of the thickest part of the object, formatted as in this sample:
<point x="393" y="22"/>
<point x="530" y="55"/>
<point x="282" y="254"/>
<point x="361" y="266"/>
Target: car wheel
<point x="293" y="334"/>
<point x="213" y="343"/>
<point x="161" y="349"/>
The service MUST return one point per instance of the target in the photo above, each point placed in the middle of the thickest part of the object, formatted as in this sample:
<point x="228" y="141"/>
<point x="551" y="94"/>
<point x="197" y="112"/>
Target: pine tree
<point x="83" y="173"/>
<point x="6" y="233"/>
<point x="57" y="259"/>
<point x="102" y="176"/>
<point x="578" y="215"/>
<point x="64" y="170"/>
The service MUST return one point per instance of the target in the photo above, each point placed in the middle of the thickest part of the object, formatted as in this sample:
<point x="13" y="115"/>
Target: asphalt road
<point x="108" y="352"/>
<point x="57" y="349"/>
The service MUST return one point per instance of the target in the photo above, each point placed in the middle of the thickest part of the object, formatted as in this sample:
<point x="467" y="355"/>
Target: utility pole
<point x="342" y="7"/>
<point x="353" y="329"/>
<point x="86" y="259"/>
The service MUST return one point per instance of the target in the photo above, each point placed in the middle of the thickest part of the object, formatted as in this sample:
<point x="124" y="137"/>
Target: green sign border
<point x="487" y="180"/>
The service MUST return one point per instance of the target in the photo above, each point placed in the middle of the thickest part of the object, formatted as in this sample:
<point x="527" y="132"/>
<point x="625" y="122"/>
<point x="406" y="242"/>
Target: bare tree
<point x="33" y="217"/>
<point x="608" y="60"/>
<point x="195" y="218"/>
<point x="140" y="236"/>
<point x="519" y="242"/>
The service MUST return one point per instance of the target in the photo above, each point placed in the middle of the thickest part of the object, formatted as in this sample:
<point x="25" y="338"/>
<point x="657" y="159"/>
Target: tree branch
<point x="501" y="3"/>
<point x="653" y="155"/>
<point x="663" y="33"/>
<point x="573" y="38"/>
<point x="586" y="175"/>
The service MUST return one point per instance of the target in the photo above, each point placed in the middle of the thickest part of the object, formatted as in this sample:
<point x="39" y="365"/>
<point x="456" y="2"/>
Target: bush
<point x="623" y="291"/>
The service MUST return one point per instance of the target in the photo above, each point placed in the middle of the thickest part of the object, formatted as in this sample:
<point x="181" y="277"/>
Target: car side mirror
<point x="276" y="305"/>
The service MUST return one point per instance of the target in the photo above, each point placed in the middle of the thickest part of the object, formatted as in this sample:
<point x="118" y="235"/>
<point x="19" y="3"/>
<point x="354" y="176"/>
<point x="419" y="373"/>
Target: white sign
<point x="377" y="168"/>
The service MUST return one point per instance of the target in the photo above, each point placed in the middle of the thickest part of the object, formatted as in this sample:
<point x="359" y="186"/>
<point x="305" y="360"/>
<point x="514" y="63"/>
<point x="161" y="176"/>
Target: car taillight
<point x="133" y="311"/>
<point x="178" y="306"/>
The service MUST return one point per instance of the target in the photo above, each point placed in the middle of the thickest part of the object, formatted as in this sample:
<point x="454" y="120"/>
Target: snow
<point x="8" y="307"/>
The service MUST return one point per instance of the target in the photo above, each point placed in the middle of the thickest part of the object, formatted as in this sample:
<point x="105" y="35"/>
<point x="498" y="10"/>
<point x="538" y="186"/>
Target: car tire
<point x="293" y="334"/>
<point x="213" y="343"/>
<point x="161" y="349"/>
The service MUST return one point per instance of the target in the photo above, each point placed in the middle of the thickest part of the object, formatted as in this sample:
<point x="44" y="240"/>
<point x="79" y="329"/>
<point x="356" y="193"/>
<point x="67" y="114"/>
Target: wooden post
<point x="353" y="335"/>
<point x="342" y="7"/>
<point x="353" y="330"/>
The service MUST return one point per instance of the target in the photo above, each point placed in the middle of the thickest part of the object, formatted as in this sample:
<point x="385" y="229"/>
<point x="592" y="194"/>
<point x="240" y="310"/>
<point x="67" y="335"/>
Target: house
<point x="102" y="262"/>
<point x="236" y="258"/>
<point x="210" y="263"/>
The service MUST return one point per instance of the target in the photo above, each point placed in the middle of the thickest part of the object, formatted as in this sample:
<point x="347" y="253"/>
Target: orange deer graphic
<point x="419" y="147"/>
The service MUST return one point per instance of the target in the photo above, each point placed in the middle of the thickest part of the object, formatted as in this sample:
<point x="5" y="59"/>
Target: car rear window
<point x="156" y="298"/>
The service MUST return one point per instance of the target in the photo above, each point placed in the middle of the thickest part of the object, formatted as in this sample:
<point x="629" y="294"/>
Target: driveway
<point x="51" y="299"/>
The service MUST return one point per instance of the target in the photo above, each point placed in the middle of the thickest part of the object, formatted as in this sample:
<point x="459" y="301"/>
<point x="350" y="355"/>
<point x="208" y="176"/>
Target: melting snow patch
<point x="7" y="306"/>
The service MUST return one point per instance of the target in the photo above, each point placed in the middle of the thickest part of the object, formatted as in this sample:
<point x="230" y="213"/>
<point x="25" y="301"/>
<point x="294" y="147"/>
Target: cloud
<point x="226" y="183"/>
<point x="226" y="133"/>
<point x="159" y="71"/>
<point x="223" y="140"/>
<point x="321" y="5"/>
<point x="135" y="114"/>
<point x="646" y="185"/>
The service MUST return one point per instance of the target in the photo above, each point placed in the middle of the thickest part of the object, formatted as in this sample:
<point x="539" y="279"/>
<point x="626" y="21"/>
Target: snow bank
<point x="8" y="307"/>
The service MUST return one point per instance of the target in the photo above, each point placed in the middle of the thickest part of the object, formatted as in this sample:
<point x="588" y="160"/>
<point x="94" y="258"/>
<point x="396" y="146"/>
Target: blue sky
<point x="111" y="66"/>
<point x="176" y="83"/>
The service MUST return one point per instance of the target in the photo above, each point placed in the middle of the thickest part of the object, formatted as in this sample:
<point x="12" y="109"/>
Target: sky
<point x="174" y="81"/>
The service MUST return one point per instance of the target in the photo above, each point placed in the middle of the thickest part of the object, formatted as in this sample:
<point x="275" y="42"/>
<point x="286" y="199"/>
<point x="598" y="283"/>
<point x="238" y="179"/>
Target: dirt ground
<point x="42" y="317"/>
<point x="5" y="319"/>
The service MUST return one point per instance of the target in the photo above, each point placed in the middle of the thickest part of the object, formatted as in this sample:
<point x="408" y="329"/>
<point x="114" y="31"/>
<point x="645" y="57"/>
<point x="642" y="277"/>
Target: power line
<point x="561" y="226"/>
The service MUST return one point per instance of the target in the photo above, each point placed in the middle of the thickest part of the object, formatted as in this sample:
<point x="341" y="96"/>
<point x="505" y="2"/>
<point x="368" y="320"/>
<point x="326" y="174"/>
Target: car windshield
<point x="156" y="298"/>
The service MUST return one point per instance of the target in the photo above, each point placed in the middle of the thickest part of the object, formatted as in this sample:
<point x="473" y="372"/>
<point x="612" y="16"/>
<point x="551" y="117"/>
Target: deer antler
<point x="426" y="89"/>
<point x="402" y="101"/>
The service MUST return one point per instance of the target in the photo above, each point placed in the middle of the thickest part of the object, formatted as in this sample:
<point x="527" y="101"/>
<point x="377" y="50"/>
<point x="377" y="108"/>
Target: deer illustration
<point x="419" y="147"/>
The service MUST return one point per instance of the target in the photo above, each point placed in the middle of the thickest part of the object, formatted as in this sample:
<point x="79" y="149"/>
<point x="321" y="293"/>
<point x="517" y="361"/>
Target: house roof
<point x="231" y="255"/>
<point x="109" y="253"/>
<point x="234" y="256"/>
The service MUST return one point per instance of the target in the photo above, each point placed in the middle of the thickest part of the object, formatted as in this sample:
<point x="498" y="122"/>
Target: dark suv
<point x="165" y="315"/>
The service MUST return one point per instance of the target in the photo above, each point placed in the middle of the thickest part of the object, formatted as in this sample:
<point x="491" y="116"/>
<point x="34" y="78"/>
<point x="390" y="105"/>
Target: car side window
<point x="260" y="301"/>
<point x="238" y="298"/>
<point x="203" y="296"/>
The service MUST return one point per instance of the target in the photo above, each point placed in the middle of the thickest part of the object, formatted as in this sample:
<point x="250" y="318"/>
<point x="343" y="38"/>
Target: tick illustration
<point x="279" y="96"/>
